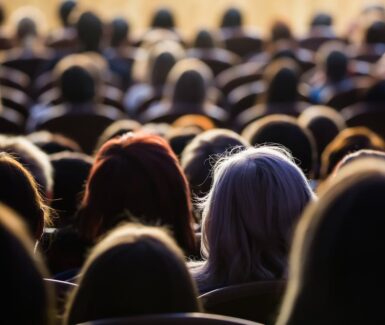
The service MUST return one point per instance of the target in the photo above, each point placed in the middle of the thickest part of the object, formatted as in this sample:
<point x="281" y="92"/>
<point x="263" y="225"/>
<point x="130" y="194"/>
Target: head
<point x="120" y="31"/>
<point x="160" y="67"/>
<point x="204" y="40"/>
<point x="19" y="191"/>
<point x="137" y="175"/>
<point x="26" y="28"/>
<point x="337" y="245"/>
<point x="29" y="299"/>
<point x="375" y="33"/>
<point x="66" y="8"/>
<point x="127" y="257"/>
<point x="249" y="214"/>
<point x="346" y="142"/>
<point x="190" y="120"/>
<point x="321" y="19"/>
<point x="52" y="143"/>
<point x="285" y="131"/>
<point x="163" y="18"/>
<point x="179" y="138"/>
<point x="232" y="18"/>
<point x="280" y="30"/>
<point x="32" y="158"/>
<point x="71" y="170"/>
<point x="336" y="66"/>
<point x="202" y="152"/>
<point x="90" y="30"/>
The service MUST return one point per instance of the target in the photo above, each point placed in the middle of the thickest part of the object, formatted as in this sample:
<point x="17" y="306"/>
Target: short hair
<point x="348" y="141"/>
<point x="336" y="65"/>
<point x="71" y="170"/>
<point x="201" y="153"/>
<point x="52" y="143"/>
<point x="120" y="31"/>
<point x="145" y="274"/>
<point x="32" y="158"/>
<point x="232" y="18"/>
<point x="28" y="298"/>
<point x="65" y="9"/>
<point x="256" y="198"/>
<point x="337" y="245"/>
<point x="26" y="27"/>
<point x="163" y="18"/>
<point x="321" y="19"/>
<point x="204" y="40"/>
<point x="375" y="33"/>
<point x="89" y="29"/>
<point x="137" y="174"/>
<point x="285" y="130"/>
<point x="19" y="191"/>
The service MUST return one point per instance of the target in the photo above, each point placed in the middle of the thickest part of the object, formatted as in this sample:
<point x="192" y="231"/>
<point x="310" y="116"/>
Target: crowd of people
<point x="141" y="173"/>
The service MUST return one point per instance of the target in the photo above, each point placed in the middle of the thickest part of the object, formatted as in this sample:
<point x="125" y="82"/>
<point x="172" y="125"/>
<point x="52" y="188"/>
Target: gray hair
<point x="248" y="216"/>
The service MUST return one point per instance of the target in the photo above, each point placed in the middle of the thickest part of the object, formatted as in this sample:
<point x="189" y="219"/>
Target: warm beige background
<point x="192" y="14"/>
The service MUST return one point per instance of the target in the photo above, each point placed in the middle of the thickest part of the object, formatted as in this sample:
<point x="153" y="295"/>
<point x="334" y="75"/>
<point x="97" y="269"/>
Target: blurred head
<point x="120" y="31"/>
<point x="26" y="28"/>
<point x="321" y="19"/>
<point x="254" y="203"/>
<point x="32" y="158"/>
<point x="90" y="30"/>
<point x="285" y="130"/>
<point x="66" y="8"/>
<point x="201" y="154"/>
<point x="163" y="18"/>
<point x="137" y="175"/>
<point x="146" y="275"/>
<point x="280" y="30"/>
<point x="29" y="299"/>
<point x="204" y="40"/>
<point x="336" y="66"/>
<point x="375" y="33"/>
<point x="336" y="273"/>
<point x="346" y="142"/>
<point x="71" y="170"/>
<point x="231" y="18"/>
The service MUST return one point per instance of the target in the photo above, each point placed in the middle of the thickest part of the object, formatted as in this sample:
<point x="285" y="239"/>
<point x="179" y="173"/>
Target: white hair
<point x="248" y="216"/>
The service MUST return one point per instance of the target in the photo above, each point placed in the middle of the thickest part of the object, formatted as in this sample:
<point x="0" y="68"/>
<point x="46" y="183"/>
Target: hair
<point x="19" y="191"/>
<point x="160" y="67"/>
<point x="204" y="40"/>
<point x="375" y="33"/>
<point x="280" y="30"/>
<point x="32" y="158"/>
<point x="71" y="170"/>
<point x="163" y="18"/>
<point x="321" y="19"/>
<point x="135" y="270"/>
<point x="52" y="143"/>
<point x="336" y="66"/>
<point x="346" y="142"/>
<point x="90" y="29"/>
<point x="232" y="18"/>
<point x="137" y="174"/>
<point x="120" y="31"/>
<point x="202" y="152"/>
<point x="336" y="252"/>
<point x="28" y="299"/>
<point x="285" y="130"/>
<point x="248" y="216"/>
<point x="65" y="10"/>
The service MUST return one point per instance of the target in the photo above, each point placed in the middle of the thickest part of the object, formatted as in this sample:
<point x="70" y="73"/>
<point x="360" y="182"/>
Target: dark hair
<point x="285" y="130"/>
<point x="201" y="154"/>
<point x="120" y="31"/>
<point x="204" y="40"/>
<point x="71" y="171"/>
<point x="19" y="191"/>
<point x="137" y="174"/>
<point x="90" y="29"/>
<point x="65" y="9"/>
<point x="280" y="31"/>
<point x="321" y="19"/>
<point x="77" y="85"/>
<point x="134" y="271"/>
<point x="28" y="299"/>
<point x="337" y="248"/>
<point x="375" y="33"/>
<point x="231" y="18"/>
<point x="160" y="67"/>
<point x="190" y="88"/>
<point x="26" y="27"/>
<point x="336" y="65"/>
<point x="163" y="18"/>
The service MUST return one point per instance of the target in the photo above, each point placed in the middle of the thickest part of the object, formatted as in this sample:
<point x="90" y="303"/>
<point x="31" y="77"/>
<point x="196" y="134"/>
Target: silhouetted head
<point x="137" y="175"/>
<point x="65" y="9"/>
<point x="336" y="66"/>
<point x="179" y="138"/>
<point x="321" y="19"/>
<point x="375" y="33"/>
<point x="232" y="18"/>
<point x="120" y="31"/>
<point x="280" y="31"/>
<point x="337" y="244"/>
<point x="285" y="130"/>
<point x="145" y="272"/>
<point x="28" y="298"/>
<point x="204" y="40"/>
<point x="163" y="18"/>
<point x="26" y="28"/>
<point x="90" y="29"/>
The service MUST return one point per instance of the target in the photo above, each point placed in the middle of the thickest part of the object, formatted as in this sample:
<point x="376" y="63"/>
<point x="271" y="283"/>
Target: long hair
<point x="135" y="270"/>
<point x="336" y="275"/>
<point x="248" y="215"/>
<point x="138" y="175"/>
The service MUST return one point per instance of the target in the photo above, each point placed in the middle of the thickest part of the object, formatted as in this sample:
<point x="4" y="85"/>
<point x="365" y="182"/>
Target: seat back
<point x="174" y="319"/>
<point x="256" y="301"/>
<point x="62" y="290"/>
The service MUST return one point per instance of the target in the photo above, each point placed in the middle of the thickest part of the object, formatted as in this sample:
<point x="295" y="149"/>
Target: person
<point x="136" y="175"/>
<point x="28" y="299"/>
<point x="336" y="276"/>
<point x="249" y="214"/>
<point x="135" y="270"/>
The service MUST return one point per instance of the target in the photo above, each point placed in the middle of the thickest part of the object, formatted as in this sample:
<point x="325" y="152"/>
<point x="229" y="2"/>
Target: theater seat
<point x="62" y="290"/>
<point x="256" y="301"/>
<point x="174" y="319"/>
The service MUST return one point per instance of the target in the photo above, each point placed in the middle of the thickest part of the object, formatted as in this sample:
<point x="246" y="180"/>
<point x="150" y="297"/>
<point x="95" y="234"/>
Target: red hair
<point x="137" y="175"/>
